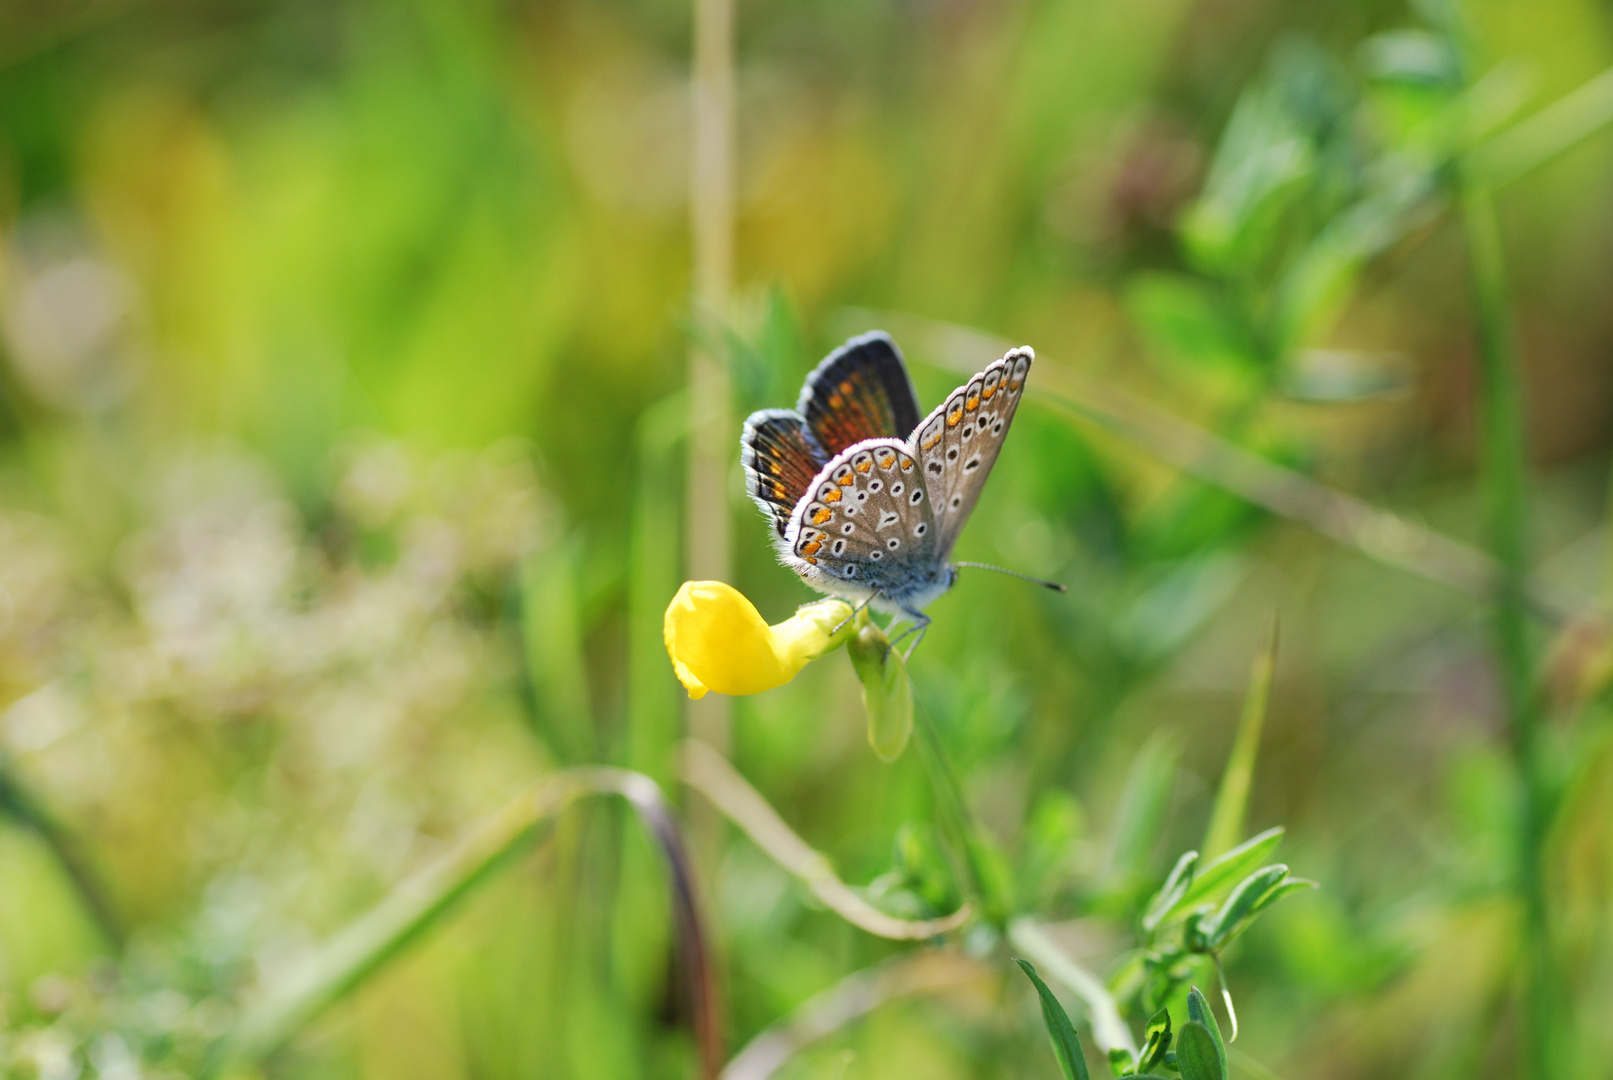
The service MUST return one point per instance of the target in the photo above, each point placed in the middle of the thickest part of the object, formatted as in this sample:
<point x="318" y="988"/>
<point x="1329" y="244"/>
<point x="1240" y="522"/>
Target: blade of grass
<point x="1109" y="1031"/>
<point x="1552" y="131"/>
<point x="1232" y="798"/>
<point x="709" y="773"/>
<point x="24" y="807"/>
<point x="419" y="904"/>
<point x="1504" y="477"/>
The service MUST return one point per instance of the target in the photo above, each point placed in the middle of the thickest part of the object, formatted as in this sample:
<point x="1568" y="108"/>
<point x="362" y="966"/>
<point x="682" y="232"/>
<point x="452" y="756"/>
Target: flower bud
<point x="887" y="692"/>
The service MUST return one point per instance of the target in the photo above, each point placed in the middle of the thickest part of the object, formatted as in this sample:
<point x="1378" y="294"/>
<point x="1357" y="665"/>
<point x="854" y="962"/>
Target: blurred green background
<point x="340" y="498"/>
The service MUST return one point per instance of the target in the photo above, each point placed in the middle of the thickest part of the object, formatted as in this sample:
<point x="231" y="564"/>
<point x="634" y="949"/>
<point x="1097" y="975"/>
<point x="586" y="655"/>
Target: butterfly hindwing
<point x="866" y="523"/>
<point x="958" y="443"/>
<point x="780" y="458"/>
<point x="861" y="391"/>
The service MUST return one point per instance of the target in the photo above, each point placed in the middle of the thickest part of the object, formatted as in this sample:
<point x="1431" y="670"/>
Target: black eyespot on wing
<point x="861" y="391"/>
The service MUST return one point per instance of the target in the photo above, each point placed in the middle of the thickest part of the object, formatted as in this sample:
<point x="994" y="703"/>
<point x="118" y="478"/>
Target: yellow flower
<point x="718" y="641"/>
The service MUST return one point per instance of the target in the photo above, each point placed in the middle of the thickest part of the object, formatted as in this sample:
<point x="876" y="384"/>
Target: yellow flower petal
<point x="719" y="641"/>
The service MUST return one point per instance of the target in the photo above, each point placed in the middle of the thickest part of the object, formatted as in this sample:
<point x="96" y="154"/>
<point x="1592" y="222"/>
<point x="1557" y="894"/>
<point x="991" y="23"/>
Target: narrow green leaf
<point x="1220" y="874"/>
<point x="1157" y="1040"/>
<point x="1121" y="1063"/>
<point x="1170" y="893"/>
<point x="1196" y="1054"/>
<point x="1066" y="1043"/>
<point x="1232" y="799"/>
<point x="1199" y="1011"/>
<point x="1219" y="928"/>
<point x="1286" y="888"/>
<point x="1142" y="805"/>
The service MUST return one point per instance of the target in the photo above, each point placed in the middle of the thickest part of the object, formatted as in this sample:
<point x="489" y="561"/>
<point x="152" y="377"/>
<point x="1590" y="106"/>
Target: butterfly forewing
<point x="958" y="443"/>
<point x="780" y="458"/>
<point x="861" y="391"/>
<point x="866" y="523"/>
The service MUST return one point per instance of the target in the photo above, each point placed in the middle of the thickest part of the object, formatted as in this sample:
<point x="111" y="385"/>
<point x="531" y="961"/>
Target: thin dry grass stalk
<point x="709" y="773"/>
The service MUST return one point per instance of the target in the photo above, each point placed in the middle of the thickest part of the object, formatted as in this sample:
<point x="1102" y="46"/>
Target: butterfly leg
<point x="853" y="615"/>
<point x="921" y="624"/>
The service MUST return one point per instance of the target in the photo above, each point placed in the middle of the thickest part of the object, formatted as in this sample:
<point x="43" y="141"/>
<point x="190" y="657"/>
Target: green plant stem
<point x="418" y="904"/>
<point x="956" y="823"/>
<point x="26" y="809"/>
<point x="1503" y="472"/>
<point x="1232" y="798"/>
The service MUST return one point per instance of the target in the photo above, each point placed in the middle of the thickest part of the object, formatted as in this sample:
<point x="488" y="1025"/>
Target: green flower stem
<point x="953" y="817"/>
<point x="1108" y="1029"/>
<point x="1503" y="469"/>
<point x="28" y="810"/>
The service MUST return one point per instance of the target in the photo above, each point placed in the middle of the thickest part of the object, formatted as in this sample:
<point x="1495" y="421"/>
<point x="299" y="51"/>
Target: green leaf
<point x="1225" y="924"/>
<point x="1187" y="322"/>
<point x="1121" y="1063"/>
<point x="1170" y="893"/>
<point x="1232" y="798"/>
<point x="1196" y="1054"/>
<point x="1157" y="1040"/>
<point x="1199" y="1011"/>
<point x="1221" y="873"/>
<point x="1292" y="885"/>
<point x="1066" y="1044"/>
<point x="1142" y="806"/>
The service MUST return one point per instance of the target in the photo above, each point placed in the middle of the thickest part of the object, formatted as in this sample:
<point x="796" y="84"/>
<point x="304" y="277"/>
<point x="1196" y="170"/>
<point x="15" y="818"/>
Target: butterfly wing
<point x="860" y="391"/>
<point x="780" y="457"/>
<point x="866" y="525"/>
<point x="958" y="443"/>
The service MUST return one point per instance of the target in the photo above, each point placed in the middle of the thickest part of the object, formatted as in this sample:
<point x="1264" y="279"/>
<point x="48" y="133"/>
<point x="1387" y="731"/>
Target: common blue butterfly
<point x="866" y="500"/>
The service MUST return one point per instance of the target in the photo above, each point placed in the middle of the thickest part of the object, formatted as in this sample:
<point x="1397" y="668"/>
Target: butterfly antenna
<point x="1054" y="585"/>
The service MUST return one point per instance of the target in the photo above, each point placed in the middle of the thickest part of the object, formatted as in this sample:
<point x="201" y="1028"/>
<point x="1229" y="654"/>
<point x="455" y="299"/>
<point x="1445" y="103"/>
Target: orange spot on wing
<point x="845" y="387"/>
<point x="835" y="401"/>
<point x="972" y="403"/>
<point x="832" y="496"/>
<point x="864" y="466"/>
<point x="844" y="481"/>
<point x="811" y="560"/>
<point x="823" y="514"/>
<point x="907" y="464"/>
<point x="810" y="548"/>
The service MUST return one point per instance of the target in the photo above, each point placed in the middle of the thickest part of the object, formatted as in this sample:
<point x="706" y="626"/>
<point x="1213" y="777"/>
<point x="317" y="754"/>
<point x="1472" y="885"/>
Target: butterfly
<point x="866" y="500"/>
